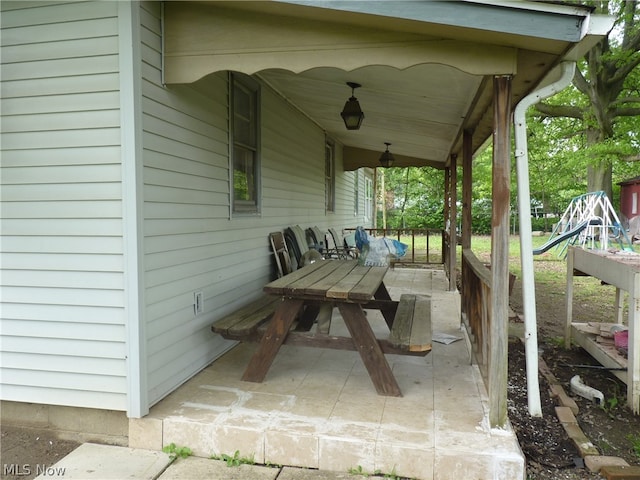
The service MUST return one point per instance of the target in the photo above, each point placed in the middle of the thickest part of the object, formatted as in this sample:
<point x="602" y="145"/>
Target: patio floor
<point x="317" y="408"/>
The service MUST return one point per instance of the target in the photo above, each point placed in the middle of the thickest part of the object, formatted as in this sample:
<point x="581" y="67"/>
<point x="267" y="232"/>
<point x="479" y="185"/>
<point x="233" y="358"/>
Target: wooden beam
<point x="467" y="176"/>
<point x="205" y="37"/>
<point x="501" y="177"/>
<point x="453" y="216"/>
<point x="447" y="203"/>
<point x="354" y="158"/>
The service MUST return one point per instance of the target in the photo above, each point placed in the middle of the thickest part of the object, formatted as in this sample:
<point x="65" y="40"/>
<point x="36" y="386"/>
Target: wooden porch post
<point x="501" y="175"/>
<point x="466" y="188"/>
<point x="453" y="211"/>
<point x="447" y="200"/>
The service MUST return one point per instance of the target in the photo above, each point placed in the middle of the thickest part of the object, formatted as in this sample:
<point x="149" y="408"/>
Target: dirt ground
<point x="612" y="428"/>
<point x="25" y="452"/>
<point x="550" y="453"/>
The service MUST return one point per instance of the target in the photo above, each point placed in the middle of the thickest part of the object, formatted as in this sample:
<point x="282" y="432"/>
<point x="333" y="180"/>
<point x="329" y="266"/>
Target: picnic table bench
<point x="298" y="301"/>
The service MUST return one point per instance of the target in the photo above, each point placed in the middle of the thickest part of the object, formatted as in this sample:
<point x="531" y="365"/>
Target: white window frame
<point x="368" y="198"/>
<point x="330" y="177"/>
<point x="251" y="145"/>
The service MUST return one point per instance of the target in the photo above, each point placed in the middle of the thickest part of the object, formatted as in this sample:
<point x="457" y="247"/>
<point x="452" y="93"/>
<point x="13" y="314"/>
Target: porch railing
<point x="477" y="317"/>
<point x="476" y="307"/>
<point x="426" y="245"/>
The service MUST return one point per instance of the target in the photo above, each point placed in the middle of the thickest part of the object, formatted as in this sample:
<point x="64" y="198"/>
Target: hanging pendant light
<point x="352" y="113"/>
<point x="387" y="159"/>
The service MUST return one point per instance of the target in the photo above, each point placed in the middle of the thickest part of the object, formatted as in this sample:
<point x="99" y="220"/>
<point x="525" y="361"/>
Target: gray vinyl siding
<point x="63" y="332"/>
<point x="186" y="207"/>
<point x="192" y="243"/>
<point x="64" y="303"/>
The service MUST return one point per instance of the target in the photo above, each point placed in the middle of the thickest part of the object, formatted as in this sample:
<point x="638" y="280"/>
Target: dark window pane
<point x="244" y="175"/>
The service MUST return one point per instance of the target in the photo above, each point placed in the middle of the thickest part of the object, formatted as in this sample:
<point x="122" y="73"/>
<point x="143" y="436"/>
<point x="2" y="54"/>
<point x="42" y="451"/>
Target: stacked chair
<point x="281" y="253"/>
<point x="344" y="249"/>
<point x="295" y="246"/>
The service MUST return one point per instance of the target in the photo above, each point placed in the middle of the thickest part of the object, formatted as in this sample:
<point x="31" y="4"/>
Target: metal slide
<point x="565" y="236"/>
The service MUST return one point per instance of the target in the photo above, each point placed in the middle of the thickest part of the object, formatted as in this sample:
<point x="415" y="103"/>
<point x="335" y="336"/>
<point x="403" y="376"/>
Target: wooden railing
<point x="426" y="245"/>
<point x="488" y="342"/>
<point x="476" y="309"/>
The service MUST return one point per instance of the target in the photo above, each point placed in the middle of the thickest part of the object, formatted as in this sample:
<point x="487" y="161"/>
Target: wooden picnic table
<point x="349" y="287"/>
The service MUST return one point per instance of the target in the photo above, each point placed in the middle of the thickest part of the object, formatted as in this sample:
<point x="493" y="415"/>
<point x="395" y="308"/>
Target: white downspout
<point x="526" y="245"/>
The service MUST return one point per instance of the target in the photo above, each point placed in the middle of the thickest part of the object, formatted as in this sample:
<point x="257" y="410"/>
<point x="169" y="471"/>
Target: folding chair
<point x="317" y="239"/>
<point x="281" y="253"/>
<point x="338" y="250"/>
<point x="351" y="250"/>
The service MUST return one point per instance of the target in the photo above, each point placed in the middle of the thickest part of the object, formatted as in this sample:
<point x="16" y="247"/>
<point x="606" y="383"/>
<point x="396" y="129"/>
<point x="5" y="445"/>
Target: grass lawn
<point x="550" y="270"/>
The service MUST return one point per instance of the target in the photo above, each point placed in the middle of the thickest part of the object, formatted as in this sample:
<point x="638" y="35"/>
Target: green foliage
<point x="358" y="471"/>
<point x="556" y="341"/>
<point x="234" y="460"/>
<point x="635" y="444"/>
<point x="378" y="473"/>
<point x="413" y="198"/>
<point x="612" y="400"/>
<point x="595" y="121"/>
<point x="175" y="451"/>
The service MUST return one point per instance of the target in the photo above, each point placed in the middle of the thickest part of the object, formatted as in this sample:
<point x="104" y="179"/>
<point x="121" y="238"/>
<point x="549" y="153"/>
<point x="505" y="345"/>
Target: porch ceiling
<point x="425" y="67"/>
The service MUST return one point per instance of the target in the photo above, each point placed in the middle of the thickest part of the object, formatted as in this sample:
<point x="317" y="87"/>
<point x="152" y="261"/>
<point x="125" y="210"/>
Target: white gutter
<point x="526" y="246"/>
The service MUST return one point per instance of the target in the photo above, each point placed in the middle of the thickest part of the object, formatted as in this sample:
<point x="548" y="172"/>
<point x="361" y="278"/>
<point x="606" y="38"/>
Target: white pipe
<point x="579" y="388"/>
<point x="526" y="245"/>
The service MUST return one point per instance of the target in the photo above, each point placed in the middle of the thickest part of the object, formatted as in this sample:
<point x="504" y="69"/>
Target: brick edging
<point x="566" y="412"/>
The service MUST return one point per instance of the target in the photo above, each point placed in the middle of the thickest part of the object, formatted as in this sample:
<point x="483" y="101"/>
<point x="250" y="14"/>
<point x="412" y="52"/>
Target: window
<point x="368" y="198"/>
<point x="329" y="177"/>
<point x="245" y="144"/>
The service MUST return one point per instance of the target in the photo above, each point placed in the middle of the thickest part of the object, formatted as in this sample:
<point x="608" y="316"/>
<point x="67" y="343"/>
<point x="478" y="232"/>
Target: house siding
<point x="63" y="332"/>
<point x="66" y="309"/>
<point x="192" y="241"/>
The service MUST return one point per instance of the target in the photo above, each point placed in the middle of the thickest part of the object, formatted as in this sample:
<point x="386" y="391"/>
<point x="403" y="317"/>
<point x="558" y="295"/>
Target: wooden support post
<point x="447" y="202"/>
<point x="501" y="177"/>
<point x="619" y="305"/>
<point x="568" y="299"/>
<point x="453" y="222"/>
<point x="633" y="369"/>
<point x="467" y="177"/>
<point x="447" y="194"/>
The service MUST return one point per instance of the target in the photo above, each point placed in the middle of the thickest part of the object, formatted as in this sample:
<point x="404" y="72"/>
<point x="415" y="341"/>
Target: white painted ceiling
<point x="419" y="110"/>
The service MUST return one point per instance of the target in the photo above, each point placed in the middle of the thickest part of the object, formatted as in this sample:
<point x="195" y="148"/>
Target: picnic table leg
<point x="383" y="294"/>
<point x="324" y="318"/>
<point x="271" y="341"/>
<point x="367" y="345"/>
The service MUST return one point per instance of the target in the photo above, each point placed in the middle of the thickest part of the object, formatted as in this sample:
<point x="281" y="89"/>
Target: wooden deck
<point x="622" y="270"/>
<point x="605" y="353"/>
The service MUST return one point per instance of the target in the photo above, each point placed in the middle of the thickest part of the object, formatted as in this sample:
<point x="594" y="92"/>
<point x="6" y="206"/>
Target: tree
<point x="607" y="91"/>
<point x="413" y="197"/>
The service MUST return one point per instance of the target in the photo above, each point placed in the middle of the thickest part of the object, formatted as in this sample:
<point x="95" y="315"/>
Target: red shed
<point x="630" y="197"/>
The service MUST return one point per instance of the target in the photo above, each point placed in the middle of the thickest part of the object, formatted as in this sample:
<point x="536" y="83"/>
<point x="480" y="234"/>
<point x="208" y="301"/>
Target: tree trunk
<point x="599" y="178"/>
<point x="599" y="172"/>
<point x="406" y="198"/>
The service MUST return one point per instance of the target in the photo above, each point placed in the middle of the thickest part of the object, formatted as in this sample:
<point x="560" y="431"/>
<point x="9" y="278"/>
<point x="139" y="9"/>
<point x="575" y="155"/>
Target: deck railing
<point x="476" y="306"/>
<point x="426" y="245"/>
<point x="489" y="350"/>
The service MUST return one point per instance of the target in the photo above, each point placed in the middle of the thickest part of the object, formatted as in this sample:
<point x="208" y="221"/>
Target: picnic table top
<point x="330" y="280"/>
